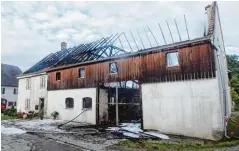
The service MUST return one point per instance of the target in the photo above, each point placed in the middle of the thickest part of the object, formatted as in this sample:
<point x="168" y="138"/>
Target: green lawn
<point x="6" y="117"/>
<point x="177" y="146"/>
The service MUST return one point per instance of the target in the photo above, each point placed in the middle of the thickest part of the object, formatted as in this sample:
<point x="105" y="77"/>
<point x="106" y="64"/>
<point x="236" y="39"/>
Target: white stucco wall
<point x="56" y="102"/>
<point x="190" y="108"/>
<point x="34" y="94"/>
<point x="9" y="94"/>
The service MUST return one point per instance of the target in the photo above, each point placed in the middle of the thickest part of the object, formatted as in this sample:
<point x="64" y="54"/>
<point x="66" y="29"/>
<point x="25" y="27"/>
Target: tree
<point x="233" y="66"/>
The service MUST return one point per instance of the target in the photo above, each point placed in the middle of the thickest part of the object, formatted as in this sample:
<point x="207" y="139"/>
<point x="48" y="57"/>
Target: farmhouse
<point x="178" y="88"/>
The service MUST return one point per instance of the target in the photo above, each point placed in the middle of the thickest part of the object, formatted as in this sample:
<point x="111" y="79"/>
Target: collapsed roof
<point x="115" y="45"/>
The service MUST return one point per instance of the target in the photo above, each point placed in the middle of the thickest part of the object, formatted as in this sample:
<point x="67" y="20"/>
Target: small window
<point x="28" y="84"/>
<point x="87" y="103"/>
<point x="58" y="76"/>
<point x="14" y="91"/>
<point x="69" y="103"/>
<point x="42" y="82"/>
<point x="81" y="73"/>
<point x="27" y="104"/>
<point x="11" y="104"/>
<point x="113" y="68"/>
<point x="172" y="59"/>
<point x="3" y="90"/>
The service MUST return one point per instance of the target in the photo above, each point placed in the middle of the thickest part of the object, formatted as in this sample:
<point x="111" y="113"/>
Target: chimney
<point x="63" y="45"/>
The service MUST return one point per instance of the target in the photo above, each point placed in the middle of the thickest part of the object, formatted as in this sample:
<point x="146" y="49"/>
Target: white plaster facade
<point x="56" y="102"/>
<point x="190" y="108"/>
<point x="34" y="93"/>
<point x="9" y="95"/>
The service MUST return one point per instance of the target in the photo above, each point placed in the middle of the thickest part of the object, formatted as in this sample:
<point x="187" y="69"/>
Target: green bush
<point x="6" y="111"/>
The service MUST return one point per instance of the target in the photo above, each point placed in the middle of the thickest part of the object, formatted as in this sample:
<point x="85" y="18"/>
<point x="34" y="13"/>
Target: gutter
<point x="30" y="75"/>
<point x="223" y="92"/>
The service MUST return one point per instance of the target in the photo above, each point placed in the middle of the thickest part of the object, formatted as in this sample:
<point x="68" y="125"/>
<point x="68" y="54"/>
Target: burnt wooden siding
<point x="195" y="62"/>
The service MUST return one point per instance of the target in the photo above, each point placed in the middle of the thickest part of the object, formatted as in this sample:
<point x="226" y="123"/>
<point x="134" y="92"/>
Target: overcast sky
<point x="31" y="30"/>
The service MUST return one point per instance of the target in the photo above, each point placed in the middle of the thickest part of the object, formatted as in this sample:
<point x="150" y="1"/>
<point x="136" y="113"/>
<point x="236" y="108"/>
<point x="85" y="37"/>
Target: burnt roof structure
<point x="8" y="75"/>
<point x="118" y="45"/>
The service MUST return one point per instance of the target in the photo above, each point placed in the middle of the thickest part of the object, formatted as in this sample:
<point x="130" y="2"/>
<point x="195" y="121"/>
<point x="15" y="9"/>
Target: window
<point x="28" y="84"/>
<point x="11" y="104"/>
<point x="3" y="90"/>
<point x="14" y="91"/>
<point x="81" y="73"/>
<point x="87" y="103"/>
<point x="172" y="59"/>
<point x="58" y="76"/>
<point x="27" y="104"/>
<point x="113" y="68"/>
<point x="42" y="82"/>
<point x="69" y="103"/>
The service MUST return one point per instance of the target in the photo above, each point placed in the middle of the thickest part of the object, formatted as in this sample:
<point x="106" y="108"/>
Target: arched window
<point x="69" y="103"/>
<point x="87" y="103"/>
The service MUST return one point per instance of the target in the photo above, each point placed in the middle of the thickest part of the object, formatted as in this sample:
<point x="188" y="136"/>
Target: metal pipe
<point x="148" y="38"/>
<point x="128" y="42"/>
<point x="223" y="93"/>
<point x="116" y="105"/>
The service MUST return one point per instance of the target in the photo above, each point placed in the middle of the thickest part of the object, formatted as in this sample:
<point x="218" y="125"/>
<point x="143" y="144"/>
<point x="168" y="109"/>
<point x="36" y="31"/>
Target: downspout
<point x="223" y="92"/>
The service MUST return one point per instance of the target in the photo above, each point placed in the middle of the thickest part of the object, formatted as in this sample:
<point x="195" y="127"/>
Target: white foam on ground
<point x="11" y="131"/>
<point x="37" y="124"/>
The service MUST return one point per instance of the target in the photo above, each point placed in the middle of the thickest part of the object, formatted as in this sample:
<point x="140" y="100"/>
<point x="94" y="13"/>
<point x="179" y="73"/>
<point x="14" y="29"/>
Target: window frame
<point x="28" y="84"/>
<point x="59" y="76"/>
<point x="178" y="63"/>
<point x="117" y="66"/>
<point x="3" y="90"/>
<point x="70" y="107"/>
<point x="27" y="104"/>
<point x="42" y="82"/>
<point x="80" y="77"/>
<point x="83" y="104"/>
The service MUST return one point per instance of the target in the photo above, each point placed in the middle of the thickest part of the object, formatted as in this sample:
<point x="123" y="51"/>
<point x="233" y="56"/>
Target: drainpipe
<point x="224" y="93"/>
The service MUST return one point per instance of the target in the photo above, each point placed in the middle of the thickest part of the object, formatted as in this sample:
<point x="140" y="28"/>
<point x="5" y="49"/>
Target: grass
<point x="6" y="117"/>
<point x="177" y="146"/>
<point x="233" y="129"/>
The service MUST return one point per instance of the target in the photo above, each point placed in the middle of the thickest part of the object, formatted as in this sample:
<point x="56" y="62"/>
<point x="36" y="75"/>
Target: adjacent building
<point x="9" y="84"/>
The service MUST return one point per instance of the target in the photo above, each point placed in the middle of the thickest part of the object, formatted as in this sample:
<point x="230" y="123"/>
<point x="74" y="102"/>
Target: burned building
<point x="178" y="88"/>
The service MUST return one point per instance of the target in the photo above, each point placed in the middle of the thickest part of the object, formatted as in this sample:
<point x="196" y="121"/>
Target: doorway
<point x="41" y="104"/>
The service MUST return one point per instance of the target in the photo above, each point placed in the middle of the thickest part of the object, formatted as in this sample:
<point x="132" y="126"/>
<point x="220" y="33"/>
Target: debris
<point x="162" y="136"/>
<point x="130" y="135"/>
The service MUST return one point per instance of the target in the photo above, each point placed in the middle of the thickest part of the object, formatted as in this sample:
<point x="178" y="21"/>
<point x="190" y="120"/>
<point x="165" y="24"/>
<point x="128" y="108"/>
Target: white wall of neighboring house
<point x="56" y="102"/>
<point x="34" y="93"/>
<point x="9" y="95"/>
<point x="190" y="108"/>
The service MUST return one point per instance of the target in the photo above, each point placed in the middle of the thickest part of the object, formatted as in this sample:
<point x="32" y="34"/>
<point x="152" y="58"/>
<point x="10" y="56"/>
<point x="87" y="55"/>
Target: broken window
<point x="81" y="73"/>
<point x="69" y="103"/>
<point x="172" y="59"/>
<point x="87" y="103"/>
<point x="58" y="76"/>
<point x="113" y="68"/>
